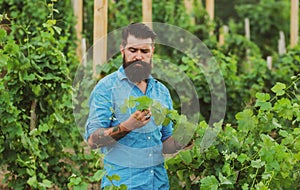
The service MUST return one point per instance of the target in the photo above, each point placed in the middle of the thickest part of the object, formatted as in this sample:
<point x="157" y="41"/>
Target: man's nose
<point x="139" y="55"/>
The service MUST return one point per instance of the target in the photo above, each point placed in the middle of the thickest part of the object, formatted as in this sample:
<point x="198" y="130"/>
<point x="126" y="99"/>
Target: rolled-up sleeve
<point x="167" y="130"/>
<point x="99" y="110"/>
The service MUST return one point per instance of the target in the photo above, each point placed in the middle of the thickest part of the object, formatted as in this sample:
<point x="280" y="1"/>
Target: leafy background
<point x="258" y="146"/>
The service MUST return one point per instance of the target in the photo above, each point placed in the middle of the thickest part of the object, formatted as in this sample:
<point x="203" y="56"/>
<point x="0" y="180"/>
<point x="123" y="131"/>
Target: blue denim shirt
<point x="137" y="158"/>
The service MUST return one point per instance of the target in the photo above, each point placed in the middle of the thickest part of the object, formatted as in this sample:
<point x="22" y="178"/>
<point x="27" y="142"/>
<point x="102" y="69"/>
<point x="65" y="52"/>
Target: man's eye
<point x="132" y="50"/>
<point x="145" y="50"/>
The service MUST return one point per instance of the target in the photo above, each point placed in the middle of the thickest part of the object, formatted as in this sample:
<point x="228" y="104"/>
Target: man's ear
<point x="122" y="49"/>
<point x="153" y="49"/>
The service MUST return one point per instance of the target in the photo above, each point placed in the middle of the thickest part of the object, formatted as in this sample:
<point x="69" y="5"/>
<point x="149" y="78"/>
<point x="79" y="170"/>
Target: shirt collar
<point x="121" y="73"/>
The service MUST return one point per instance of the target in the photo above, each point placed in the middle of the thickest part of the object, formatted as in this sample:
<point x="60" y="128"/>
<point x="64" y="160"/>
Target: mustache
<point x="132" y="63"/>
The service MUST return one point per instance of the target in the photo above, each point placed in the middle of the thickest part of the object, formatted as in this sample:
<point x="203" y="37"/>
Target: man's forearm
<point x="107" y="136"/>
<point x="171" y="146"/>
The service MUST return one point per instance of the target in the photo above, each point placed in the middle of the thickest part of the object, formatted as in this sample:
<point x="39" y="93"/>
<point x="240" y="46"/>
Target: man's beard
<point x="136" y="71"/>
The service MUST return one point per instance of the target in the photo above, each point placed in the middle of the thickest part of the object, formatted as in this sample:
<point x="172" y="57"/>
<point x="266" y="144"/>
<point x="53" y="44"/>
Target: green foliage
<point x="79" y="183"/>
<point x="255" y="80"/>
<point x="287" y="65"/>
<point x="228" y="11"/>
<point x="40" y="143"/>
<point x="122" y="13"/>
<point x="163" y="116"/>
<point x="267" y="19"/>
<point x="257" y="148"/>
<point x="241" y="48"/>
<point x="260" y="152"/>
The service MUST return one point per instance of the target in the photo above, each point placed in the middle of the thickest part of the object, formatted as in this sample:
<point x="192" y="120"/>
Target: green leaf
<point x="186" y="156"/>
<point x="283" y="133"/>
<point x="124" y="107"/>
<point x="245" y="186"/>
<point x="296" y="131"/>
<point x="159" y="114"/>
<point x="297" y="156"/>
<point x="57" y="29"/>
<point x="114" y="177"/>
<point x="30" y="171"/>
<point x="58" y="117"/>
<point x="74" y="180"/>
<point x="262" y="97"/>
<point x="284" y="108"/>
<point x="261" y="186"/>
<point x="227" y="169"/>
<point x="11" y="48"/>
<point x="264" y="105"/>
<point x="289" y="139"/>
<point x="123" y="187"/>
<point x="180" y="174"/>
<point x="261" y="101"/>
<point x="275" y="123"/>
<point x="43" y="127"/>
<point x="98" y="176"/>
<point x="224" y="180"/>
<point x="36" y="89"/>
<point x="279" y="88"/>
<point x="246" y="120"/>
<point x="131" y="102"/>
<point x="242" y="158"/>
<point x="144" y="102"/>
<point x="32" y="181"/>
<point x="46" y="183"/>
<point x="30" y="77"/>
<point x="82" y="186"/>
<point x="209" y="183"/>
<point x="166" y="121"/>
<point x="257" y="163"/>
<point x="266" y="175"/>
<point x="2" y="34"/>
<point x="3" y="60"/>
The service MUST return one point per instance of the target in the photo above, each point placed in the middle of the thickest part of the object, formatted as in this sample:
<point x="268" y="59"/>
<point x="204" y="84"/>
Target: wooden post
<point x="281" y="44"/>
<point x="294" y="22"/>
<point x="189" y="9"/>
<point x="77" y="7"/>
<point x="210" y="8"/>
<point x="147" y="12"/>
<point x="223" y="32"/>
<point x="247" y="66"/>
<point x="100" y="32"/>
<point x="247" y="28"/>
<point x="84" y="61"/>
<point x="269" y="62"/>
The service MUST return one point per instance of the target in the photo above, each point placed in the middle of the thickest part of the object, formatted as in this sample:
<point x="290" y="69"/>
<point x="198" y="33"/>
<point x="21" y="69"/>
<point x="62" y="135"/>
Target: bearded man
<point x="132" y="143"/>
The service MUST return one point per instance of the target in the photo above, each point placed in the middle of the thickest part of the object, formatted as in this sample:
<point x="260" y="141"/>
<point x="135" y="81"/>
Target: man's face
<point x="137" y="58"/>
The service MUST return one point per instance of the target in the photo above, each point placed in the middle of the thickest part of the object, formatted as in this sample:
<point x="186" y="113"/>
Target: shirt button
<point x="151" y="171"/>
<point x="149" y="138"/>
<point x="150" y="155"/>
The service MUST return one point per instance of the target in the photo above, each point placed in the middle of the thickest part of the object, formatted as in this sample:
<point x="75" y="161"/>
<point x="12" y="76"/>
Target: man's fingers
<point x="138" y="117"/>
<point x="147" y="115"/>
<point x="142" y="115"/>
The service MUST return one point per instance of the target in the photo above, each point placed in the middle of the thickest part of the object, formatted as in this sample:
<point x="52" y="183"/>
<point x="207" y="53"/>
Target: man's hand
<point x="171" y="146"/>
<point x="137" y="120"/>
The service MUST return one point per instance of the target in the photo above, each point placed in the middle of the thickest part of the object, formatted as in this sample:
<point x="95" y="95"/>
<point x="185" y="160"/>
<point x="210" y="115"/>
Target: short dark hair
<point x="138" y="30"/>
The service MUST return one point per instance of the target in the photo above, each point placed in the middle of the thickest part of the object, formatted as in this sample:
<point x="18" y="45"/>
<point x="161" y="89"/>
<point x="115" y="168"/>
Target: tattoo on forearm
<point x="107" y="136"/>
<point x="116" y="128"/>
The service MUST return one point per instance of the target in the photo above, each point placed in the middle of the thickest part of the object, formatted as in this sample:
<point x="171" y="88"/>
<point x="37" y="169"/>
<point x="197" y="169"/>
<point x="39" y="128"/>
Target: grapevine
<point x="163" y="116"/>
